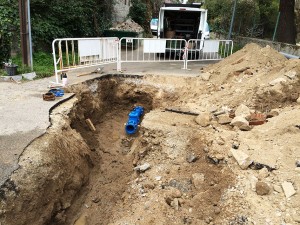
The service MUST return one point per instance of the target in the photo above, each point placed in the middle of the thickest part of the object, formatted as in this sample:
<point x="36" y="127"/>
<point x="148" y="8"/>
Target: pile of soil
<point x="128" y="25"/>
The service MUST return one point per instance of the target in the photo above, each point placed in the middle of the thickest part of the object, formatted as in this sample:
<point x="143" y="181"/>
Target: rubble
<point x="128" y="25"/>
<point x="288" y="189"/>
<point x="242" y="111"/>
<point x="241" y="123"/>
<point x="262" y="188"/>
<point x="203" y="119"/>
<point x="142" y="168"/>
<point x="224" y="119"/>
<point x="242" y="158"/>
<point x="277" y="81"/>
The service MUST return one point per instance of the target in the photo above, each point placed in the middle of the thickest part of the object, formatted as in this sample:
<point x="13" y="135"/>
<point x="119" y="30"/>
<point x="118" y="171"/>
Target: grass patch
<point x="42" y="65"/>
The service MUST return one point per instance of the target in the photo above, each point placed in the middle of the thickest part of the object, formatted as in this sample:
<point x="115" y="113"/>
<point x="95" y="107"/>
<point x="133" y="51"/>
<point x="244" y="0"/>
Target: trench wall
<point x="52" y="170"/>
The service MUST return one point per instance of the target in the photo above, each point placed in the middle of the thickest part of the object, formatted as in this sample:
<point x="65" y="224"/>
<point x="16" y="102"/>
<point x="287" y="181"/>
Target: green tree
<point x="8" y="27"/>
<point x="287" y="28"/>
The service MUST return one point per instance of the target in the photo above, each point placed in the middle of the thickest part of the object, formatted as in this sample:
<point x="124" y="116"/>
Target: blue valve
<point x="134" y="120"/>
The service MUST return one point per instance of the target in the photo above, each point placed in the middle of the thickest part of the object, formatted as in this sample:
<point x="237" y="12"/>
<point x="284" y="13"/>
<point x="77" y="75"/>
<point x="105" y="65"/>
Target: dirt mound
<point x="251" y="60"/>
<point x="128" y="25"/>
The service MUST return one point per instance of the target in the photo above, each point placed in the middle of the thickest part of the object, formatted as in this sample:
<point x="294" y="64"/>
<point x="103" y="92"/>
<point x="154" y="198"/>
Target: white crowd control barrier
<point x="199" y="50"/>
<point x="74" y="53"/>
<point x="151" y="50"/>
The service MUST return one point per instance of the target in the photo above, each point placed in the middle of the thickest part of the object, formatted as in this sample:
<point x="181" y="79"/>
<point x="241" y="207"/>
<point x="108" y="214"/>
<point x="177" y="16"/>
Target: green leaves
<point x="54" y="19"/>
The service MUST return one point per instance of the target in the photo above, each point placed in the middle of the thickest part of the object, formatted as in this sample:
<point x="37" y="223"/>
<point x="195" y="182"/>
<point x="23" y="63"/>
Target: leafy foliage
<point x="54" y="19"/>
<point x="8" y="26"/>
<point x="254" y="18"/>
<point x="138" y="11"/>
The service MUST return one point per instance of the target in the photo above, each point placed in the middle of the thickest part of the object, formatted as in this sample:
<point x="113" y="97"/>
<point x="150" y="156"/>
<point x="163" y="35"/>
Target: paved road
<point x="24" y="115"/>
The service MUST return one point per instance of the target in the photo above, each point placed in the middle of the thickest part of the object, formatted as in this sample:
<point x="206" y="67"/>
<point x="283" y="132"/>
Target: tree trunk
<point x="286" y="28"/>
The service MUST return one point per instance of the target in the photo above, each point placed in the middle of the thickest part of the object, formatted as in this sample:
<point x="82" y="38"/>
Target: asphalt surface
<point x="24" y="115"/>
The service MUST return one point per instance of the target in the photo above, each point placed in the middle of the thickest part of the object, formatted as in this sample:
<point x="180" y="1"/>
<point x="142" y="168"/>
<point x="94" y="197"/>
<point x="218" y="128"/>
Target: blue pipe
<point x="134" y="120"/>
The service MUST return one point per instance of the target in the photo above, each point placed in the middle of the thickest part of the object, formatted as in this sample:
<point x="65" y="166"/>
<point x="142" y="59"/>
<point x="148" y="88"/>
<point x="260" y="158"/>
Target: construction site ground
<point x="218" y="144"/>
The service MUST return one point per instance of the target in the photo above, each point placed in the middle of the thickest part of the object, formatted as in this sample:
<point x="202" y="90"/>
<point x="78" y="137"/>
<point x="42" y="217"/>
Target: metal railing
<point x="151" y="50"/>
<point x="201" y="50"/>
<point x="75" y="53"/>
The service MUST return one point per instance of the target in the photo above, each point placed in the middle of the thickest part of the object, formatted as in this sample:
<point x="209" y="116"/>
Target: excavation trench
<point x="73" y="175"/>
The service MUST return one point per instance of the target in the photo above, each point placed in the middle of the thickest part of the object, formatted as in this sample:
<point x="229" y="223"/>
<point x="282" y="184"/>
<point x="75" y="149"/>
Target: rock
<point x="241" y="123"/>
<point x="253" y="180"/>
<point x="205" y="76"/>
<point x="298" y="163"/>
<point x="277" y="188"/>
<point x="242" y="111"/>
<point x="291" y="74"/>
<point x="142" y="168"/>
<point x="171" y="194"/>
<point x="224" y="119"/>
<point x="277" y="81"/>
<point x="262" y="188"/>
<point x="219" y="156"/>
<point x="263" y="173"/>
<point x="298" y="100"/>
<point x="29" y="76"/>
<point x="288" y="189"/>
<point x="198" y="180"/>
<point x="175" y="204"/>
<point x="191" y="158"/>
<point x="148" y="185"/>
<point x="203" y="119"/>
<point x="242" y="158"/>
<point x="217" y="210"/>
<point x="220" y="141"/>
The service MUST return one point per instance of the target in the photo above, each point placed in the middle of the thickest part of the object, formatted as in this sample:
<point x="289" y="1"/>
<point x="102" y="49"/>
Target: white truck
<point x="182" y="21"/>
<point x="186" y="21"/>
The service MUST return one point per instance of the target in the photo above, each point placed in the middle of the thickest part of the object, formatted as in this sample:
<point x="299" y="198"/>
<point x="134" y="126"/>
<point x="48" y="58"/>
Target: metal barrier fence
<point x="151" y="50"/>
<point x="166" y="50"/>
<point x="201" y="50"/>
<point x="75" y="53"/>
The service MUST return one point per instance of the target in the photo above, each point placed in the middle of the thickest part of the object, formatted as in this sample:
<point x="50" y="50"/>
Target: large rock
<point x="242" y="158"/>
<point x="242" y="111"/>
<point x="224" y="119"/>
<point x="277" y="81"/>
<point x="203" y="119"/>
<point x="262" y="188"/>
<point x="288" y="189"/>
<point x="241" y="123"/>
<point x="198" y="180"/>
<point x="205" y="76"/>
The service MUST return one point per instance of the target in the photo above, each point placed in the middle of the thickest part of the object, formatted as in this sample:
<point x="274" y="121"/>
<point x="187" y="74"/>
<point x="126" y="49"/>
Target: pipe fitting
<point x="134" y="119"/>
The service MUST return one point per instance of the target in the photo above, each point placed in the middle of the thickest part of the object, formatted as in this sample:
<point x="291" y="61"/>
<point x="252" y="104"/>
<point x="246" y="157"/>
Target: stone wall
<point x="280" y="47"/>
<point x="121" y="10"/>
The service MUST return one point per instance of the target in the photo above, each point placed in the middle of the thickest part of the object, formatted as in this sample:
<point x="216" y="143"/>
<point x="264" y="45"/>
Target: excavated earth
<point x="187" y="142"/>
